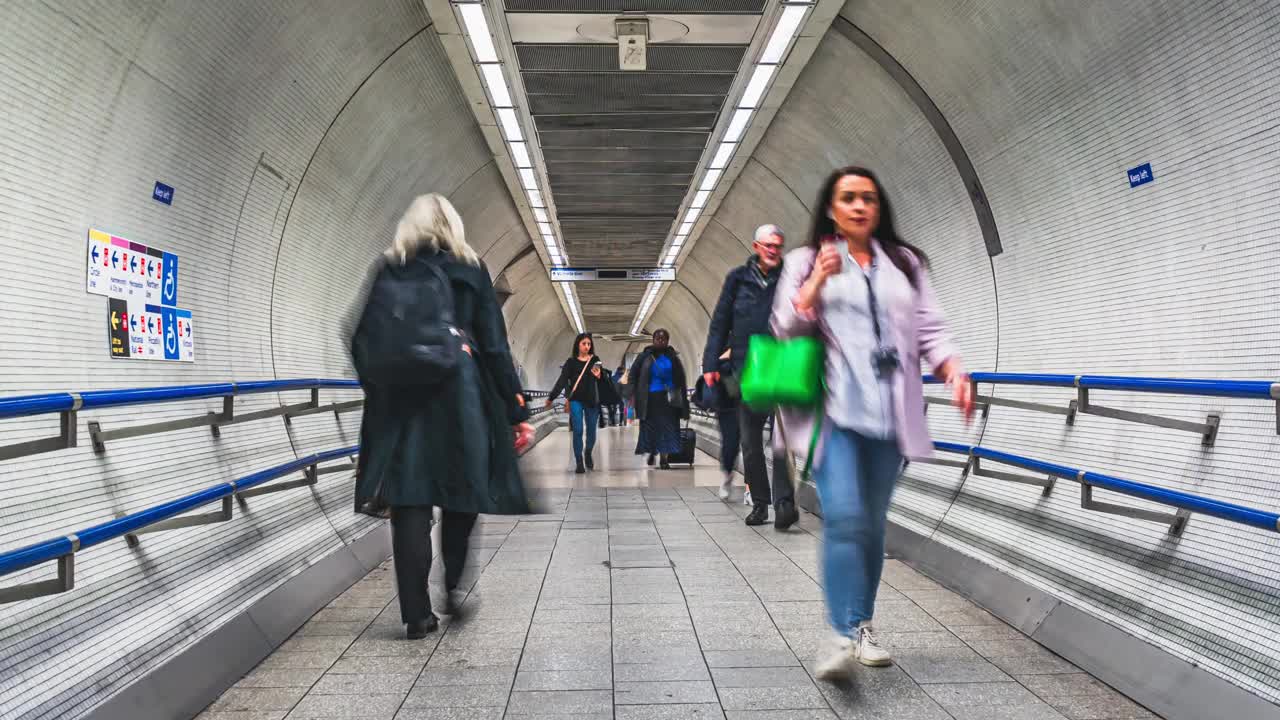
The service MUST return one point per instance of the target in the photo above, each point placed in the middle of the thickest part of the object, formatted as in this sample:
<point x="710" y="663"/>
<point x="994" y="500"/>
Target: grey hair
<point x="431" y="222"/>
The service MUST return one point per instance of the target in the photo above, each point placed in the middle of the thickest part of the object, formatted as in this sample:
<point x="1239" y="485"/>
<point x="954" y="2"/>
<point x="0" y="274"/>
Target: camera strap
<point x="872" y="307"/>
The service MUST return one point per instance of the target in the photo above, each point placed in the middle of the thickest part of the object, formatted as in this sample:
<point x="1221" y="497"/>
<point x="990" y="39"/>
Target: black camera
<point x="885" y="361"/>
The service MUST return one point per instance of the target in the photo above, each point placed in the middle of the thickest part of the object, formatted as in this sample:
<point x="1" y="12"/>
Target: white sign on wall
<point x="120" y="268"/>
<point x="141" y="284"/>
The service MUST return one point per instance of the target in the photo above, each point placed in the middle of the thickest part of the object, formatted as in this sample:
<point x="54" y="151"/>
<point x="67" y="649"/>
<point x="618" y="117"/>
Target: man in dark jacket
<point x="743" y="310"/>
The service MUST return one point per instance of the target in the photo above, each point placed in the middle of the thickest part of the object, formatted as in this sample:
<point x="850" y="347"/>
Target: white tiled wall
<point x="1053" y="103"/>
<point x="294" y="135"/>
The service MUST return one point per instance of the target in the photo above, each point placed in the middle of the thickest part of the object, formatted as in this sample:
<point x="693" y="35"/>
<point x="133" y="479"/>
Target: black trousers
<point x="752" y="426"/>
<point x="411" y="548"/>
<point x="730" y="432"/>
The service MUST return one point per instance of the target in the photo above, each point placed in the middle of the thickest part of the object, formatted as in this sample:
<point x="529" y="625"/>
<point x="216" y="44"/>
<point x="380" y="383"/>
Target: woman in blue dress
<point x="661" y="398"/>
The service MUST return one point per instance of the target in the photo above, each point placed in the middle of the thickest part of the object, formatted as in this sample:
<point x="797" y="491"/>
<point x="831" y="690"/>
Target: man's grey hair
<point x="764" y="231"/>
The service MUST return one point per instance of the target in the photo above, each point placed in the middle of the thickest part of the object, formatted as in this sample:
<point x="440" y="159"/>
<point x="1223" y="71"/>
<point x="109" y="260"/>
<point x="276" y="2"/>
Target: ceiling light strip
<point x="521" y="149"/>
<point x="774" y="54"/>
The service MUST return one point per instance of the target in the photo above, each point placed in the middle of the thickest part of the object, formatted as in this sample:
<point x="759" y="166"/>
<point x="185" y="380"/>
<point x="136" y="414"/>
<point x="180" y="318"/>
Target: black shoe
<point x="453" y="605"/>
<point x="651" y="459"/>
<point x="759" y="515"/>
<point x="419" y="630"/>
<point x="785" y="515"/>
<point x="664" y="465"/>
<point x="591" y="464"/>
<point x="579" y="470"/>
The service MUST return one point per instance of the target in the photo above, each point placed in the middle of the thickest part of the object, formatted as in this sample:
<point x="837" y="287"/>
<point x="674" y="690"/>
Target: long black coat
<point x="638" y="380"/>
<point x="452" y="445"/>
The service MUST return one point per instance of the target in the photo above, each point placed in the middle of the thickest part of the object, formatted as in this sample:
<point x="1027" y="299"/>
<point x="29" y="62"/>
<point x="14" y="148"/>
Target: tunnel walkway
<point x="640" y="595"/>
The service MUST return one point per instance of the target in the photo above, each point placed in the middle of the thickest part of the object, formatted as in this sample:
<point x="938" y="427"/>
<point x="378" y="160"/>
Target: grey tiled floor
<point x="640" y="596"/>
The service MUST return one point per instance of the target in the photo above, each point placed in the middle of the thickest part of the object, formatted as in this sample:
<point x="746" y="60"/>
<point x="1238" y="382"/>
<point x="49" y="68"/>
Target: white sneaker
<point x="725" y="485"/>
<point x="836" y="659"/>
<point x="869" y="650"/>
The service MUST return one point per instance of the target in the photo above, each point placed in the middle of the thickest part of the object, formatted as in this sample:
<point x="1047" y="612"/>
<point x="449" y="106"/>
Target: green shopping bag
<point x="784" y="373"/>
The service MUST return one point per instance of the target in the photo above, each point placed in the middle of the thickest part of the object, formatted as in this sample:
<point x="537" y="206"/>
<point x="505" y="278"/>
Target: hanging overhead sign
<point x="119" y="268"/>
<point x="140" y="331"/>
<point x="658" y="274"/>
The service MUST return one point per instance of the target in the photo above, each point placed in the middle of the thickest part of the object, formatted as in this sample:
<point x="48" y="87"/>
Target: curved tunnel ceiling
<point x="295" y="135"/>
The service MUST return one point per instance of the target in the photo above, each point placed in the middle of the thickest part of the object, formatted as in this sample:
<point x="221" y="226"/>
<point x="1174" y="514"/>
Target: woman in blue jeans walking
<point x="579" y="378"/>
<point x="865" y="291"/>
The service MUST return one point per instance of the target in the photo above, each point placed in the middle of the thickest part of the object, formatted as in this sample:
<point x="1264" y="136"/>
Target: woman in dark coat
<point x="448" y="445"/>
<point x="661" y="398"/>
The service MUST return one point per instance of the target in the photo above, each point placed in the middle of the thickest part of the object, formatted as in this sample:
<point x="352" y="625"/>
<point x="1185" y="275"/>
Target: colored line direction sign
<point x="659" y="274"/>
<point x="138" y="330"/>
<point x="119" y="268"/>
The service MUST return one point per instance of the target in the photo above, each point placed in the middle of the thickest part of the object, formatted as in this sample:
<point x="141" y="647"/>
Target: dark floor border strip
<point x="931" y="112"/>
<point x="1169" y="686"/>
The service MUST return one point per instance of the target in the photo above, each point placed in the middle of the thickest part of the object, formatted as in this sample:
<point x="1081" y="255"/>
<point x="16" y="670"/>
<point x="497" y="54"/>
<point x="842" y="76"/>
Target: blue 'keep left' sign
<point x="1141" y="175"/>
<point x="162" y="193"/>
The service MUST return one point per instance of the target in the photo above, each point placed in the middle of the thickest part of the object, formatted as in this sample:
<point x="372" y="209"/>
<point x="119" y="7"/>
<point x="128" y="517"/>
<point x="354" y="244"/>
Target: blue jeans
<point x="855" y="481"/>
<point x="580" y="415"/>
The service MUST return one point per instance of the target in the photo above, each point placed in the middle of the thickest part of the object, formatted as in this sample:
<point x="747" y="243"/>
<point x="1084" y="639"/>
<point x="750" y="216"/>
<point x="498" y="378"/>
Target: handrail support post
<point x="222" y="515"/>
<point x="66" y="438"/>
<point x="1207" y="430"/>
<point x="1045" y="484"/>
<point x="1177" y="521"/>
<point x="65" y="581"/>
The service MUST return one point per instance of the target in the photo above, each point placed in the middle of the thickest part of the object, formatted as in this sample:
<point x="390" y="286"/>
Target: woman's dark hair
<point x="899" y="251"/>
<point x="578" y="339"/>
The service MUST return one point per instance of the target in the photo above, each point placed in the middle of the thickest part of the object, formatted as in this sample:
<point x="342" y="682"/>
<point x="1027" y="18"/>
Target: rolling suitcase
<point x="688" y="446"/>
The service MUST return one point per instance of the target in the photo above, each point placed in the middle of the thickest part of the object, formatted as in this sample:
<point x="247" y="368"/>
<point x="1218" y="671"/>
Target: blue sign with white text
<point x="162" y="193"/>
<point x="169" y="279"/>
<point x="1141" y="175"/>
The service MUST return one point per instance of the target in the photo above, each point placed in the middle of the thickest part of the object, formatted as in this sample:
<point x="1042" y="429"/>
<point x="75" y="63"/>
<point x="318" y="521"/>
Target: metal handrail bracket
<point x="1044" y="483"/>
<point x="220" y="516"/>
<point x="66" y="437"/>
<point x="1177" y="521"/>
<point x="65" y="581"/>
<point x="1207" y="430"/>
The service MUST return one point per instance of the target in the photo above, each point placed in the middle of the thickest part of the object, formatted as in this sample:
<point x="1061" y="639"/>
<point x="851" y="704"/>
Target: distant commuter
<point x="866" y="292"/>
<point x="660" y="395"/>
<point x="742" y="311"/>
<point x="579" y="381"/>
<point x="610" y="397"/>
<point x="618" y="386"/>
<point x="443" y="415"/>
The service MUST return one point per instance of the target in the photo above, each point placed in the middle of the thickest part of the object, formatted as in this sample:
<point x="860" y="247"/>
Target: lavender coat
<point x="919" y="329"/>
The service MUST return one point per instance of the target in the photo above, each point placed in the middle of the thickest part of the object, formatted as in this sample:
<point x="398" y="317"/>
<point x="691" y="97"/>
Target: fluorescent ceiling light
<point x="540" y="215"/>
<point x="497" y="84"/>
<point x="737" y="125"/>
<point x="691" y="216"/>
<point x="546" y="229"/>
<point x="723" y="153"/>
<point x="786" y="29"/>
<point x="535" y="199"/>
<point x="700" y="199"/>
<point x="685" y="229"/>
<point x="529" y="180"/>
<point x="510" y="124"/>
<point x="520" y="152"/>
<point x="710" y="179"/>
<point x="757" y="85"/>
<point x="478" y="29"/>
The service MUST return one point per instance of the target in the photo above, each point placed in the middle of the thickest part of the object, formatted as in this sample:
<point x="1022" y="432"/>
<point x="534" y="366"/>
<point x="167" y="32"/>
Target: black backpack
<point x="406" y="334"/>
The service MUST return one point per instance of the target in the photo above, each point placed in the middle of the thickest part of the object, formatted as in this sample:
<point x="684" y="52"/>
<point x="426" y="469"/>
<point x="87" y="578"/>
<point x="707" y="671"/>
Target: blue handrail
<point x="1184" y="501"/>
<point x="61" y="402"/>
<point x="1260" y="389"/>
<point x="48" y="550"/>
